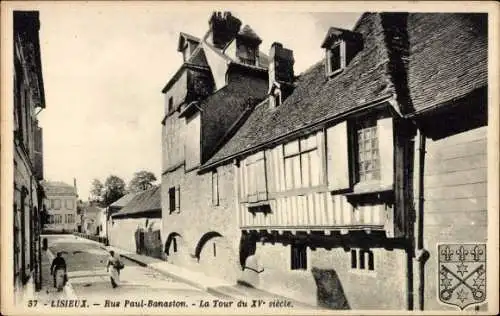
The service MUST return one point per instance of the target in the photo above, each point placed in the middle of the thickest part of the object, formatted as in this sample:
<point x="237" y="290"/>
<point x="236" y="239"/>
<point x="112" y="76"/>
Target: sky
<point x="104" y="66"/>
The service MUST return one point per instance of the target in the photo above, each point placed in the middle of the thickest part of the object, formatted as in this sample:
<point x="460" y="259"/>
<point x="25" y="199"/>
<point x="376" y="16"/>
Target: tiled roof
<point x="57" y="187"/>
<point x="316" y="97"/>
<point x="448" y="57"/>
<point x="190" y="37"/>
<point x="124" y="200"/>
<point x="143" y="202"/>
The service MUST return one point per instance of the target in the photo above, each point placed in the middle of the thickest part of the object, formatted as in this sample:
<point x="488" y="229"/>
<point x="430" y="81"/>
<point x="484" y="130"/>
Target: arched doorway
<point x="216" y="257"/>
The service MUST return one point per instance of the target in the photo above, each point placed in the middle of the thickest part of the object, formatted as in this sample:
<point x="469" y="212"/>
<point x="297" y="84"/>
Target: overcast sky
<point x="104" y="66"/>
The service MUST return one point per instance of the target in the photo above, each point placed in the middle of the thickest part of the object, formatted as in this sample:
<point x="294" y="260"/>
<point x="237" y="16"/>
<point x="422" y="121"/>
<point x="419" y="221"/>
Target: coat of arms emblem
<point x="462" y="274"/>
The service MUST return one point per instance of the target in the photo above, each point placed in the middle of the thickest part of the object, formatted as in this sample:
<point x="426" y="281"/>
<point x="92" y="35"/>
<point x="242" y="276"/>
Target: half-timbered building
<point x="355" y="171"/>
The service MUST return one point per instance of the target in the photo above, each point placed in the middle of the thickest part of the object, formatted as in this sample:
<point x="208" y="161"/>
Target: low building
<point x="61" y="206"/>
<point x="137" y="225"/>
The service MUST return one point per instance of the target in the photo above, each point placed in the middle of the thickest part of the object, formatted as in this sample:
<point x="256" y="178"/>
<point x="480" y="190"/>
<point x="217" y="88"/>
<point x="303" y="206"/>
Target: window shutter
<point x="338" y="157"/>
<point x="386" y="150"/>
<point x="270" y="172"/>
<point x="178" y="198"/>
<point x="261" y="180"/>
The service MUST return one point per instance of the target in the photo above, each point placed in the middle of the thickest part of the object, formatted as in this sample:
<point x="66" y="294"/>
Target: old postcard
<point x="249" y="158"/>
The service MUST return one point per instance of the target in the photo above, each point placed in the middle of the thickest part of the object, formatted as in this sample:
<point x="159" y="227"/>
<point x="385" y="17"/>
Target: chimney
<point x="74" y="185"/>
<point x="224" y="28"/>
<point x="280" y="65"/>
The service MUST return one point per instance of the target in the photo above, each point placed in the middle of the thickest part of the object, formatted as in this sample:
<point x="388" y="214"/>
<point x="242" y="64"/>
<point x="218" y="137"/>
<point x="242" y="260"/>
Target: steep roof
<point x="124" y="200"/>
<point x="316" y="98"/>
<point x="444" y="67"/>
<point x="58" y="187"/>
<point x="148" y="201"/>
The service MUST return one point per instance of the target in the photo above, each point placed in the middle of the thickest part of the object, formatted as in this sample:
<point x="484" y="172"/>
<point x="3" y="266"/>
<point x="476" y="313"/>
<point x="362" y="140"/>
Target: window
<point x="170" y="104"/>
<point x="174" y="199"/>
<point x="365" y="259"/>
<point x="215" y="188"/>
<point x="247" y="54"/>
<point x="174" y="244"/>
<point x="302" y="163"/>
<point x="69" y="204"/>
<point x="299" y="257"/>
<point x="367" y="153"/>
<point x="335" y="58"/>
<point x="57" y="204"/>
<point x="57" y="219"/>
<point x="255" y="170"/>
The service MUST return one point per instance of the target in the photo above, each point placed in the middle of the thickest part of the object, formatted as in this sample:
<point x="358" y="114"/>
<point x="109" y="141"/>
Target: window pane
<point x="288" y="173"/>
<point x="315" y="167"/>
<point x="296" y="171"/>
<point x="305" y="169"/>
<point x="291" y="148"/>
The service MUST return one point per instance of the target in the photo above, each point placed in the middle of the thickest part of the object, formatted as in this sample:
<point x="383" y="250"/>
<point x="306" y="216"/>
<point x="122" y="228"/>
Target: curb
<point x="208" y="289"/>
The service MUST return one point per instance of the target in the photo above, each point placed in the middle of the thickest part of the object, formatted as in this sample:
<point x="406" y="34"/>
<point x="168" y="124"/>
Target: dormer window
<point x="340" y="48"/>
<point x="247" y="46"/>
<point x="335" y="58"/>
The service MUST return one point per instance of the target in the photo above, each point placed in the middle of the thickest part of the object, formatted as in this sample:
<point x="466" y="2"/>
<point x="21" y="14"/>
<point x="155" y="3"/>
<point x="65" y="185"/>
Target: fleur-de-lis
<point x="477" y="253"/>
<point x="462" y="253"/>
<point x="447" y="253"/>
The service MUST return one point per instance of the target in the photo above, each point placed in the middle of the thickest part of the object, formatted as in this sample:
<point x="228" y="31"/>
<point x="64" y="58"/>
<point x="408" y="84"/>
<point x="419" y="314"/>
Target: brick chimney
<point x="280" y="65"/>
<point x="224" y="28"/>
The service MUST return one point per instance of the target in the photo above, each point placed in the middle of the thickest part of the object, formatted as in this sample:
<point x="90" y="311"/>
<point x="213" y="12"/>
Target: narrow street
<point x="86" y="265"/>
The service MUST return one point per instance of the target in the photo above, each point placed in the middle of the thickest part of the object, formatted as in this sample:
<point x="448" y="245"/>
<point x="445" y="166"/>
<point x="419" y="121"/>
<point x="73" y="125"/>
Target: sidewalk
<point x="214" y="286"/>
<point x="48" y="292"/>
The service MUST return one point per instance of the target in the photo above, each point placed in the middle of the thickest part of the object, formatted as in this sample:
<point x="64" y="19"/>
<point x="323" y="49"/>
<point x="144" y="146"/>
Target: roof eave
<point x="283" y="138"/>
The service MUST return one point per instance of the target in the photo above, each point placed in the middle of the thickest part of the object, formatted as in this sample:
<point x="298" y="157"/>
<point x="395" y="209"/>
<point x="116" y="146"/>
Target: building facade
<point x="137" y="225"/>
<point x="61" y="205"/>
<point x="351" y="173"/>
<point x="29" y="100"/>
<point x="223" y="76"/>
<point x="328" y="209"/>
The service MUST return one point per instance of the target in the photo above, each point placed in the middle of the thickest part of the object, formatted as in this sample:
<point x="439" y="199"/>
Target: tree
<point x="114" y="188"/>
<point x="96" y="191"/>
<point x="141" y="181"/>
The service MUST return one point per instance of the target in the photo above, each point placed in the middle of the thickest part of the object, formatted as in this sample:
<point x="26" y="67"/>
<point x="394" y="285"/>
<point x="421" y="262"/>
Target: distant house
<point x="61" y="206"/>
<point x="137" y="225"/>
<point x="94" y="221"/>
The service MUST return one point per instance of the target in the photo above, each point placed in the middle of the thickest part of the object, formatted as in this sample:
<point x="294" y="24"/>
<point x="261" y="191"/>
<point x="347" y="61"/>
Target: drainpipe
<point x="422" y="255"/>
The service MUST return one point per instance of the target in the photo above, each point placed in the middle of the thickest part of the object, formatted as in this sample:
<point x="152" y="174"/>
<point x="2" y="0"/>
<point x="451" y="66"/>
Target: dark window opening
<point x="174" y="245"/>
<point x="170" y="104"/>
<point x="354" y="259"/>
<point x="171" y="199"/>
<point x="299" y="257"/>
<point x="334" y="58"/>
